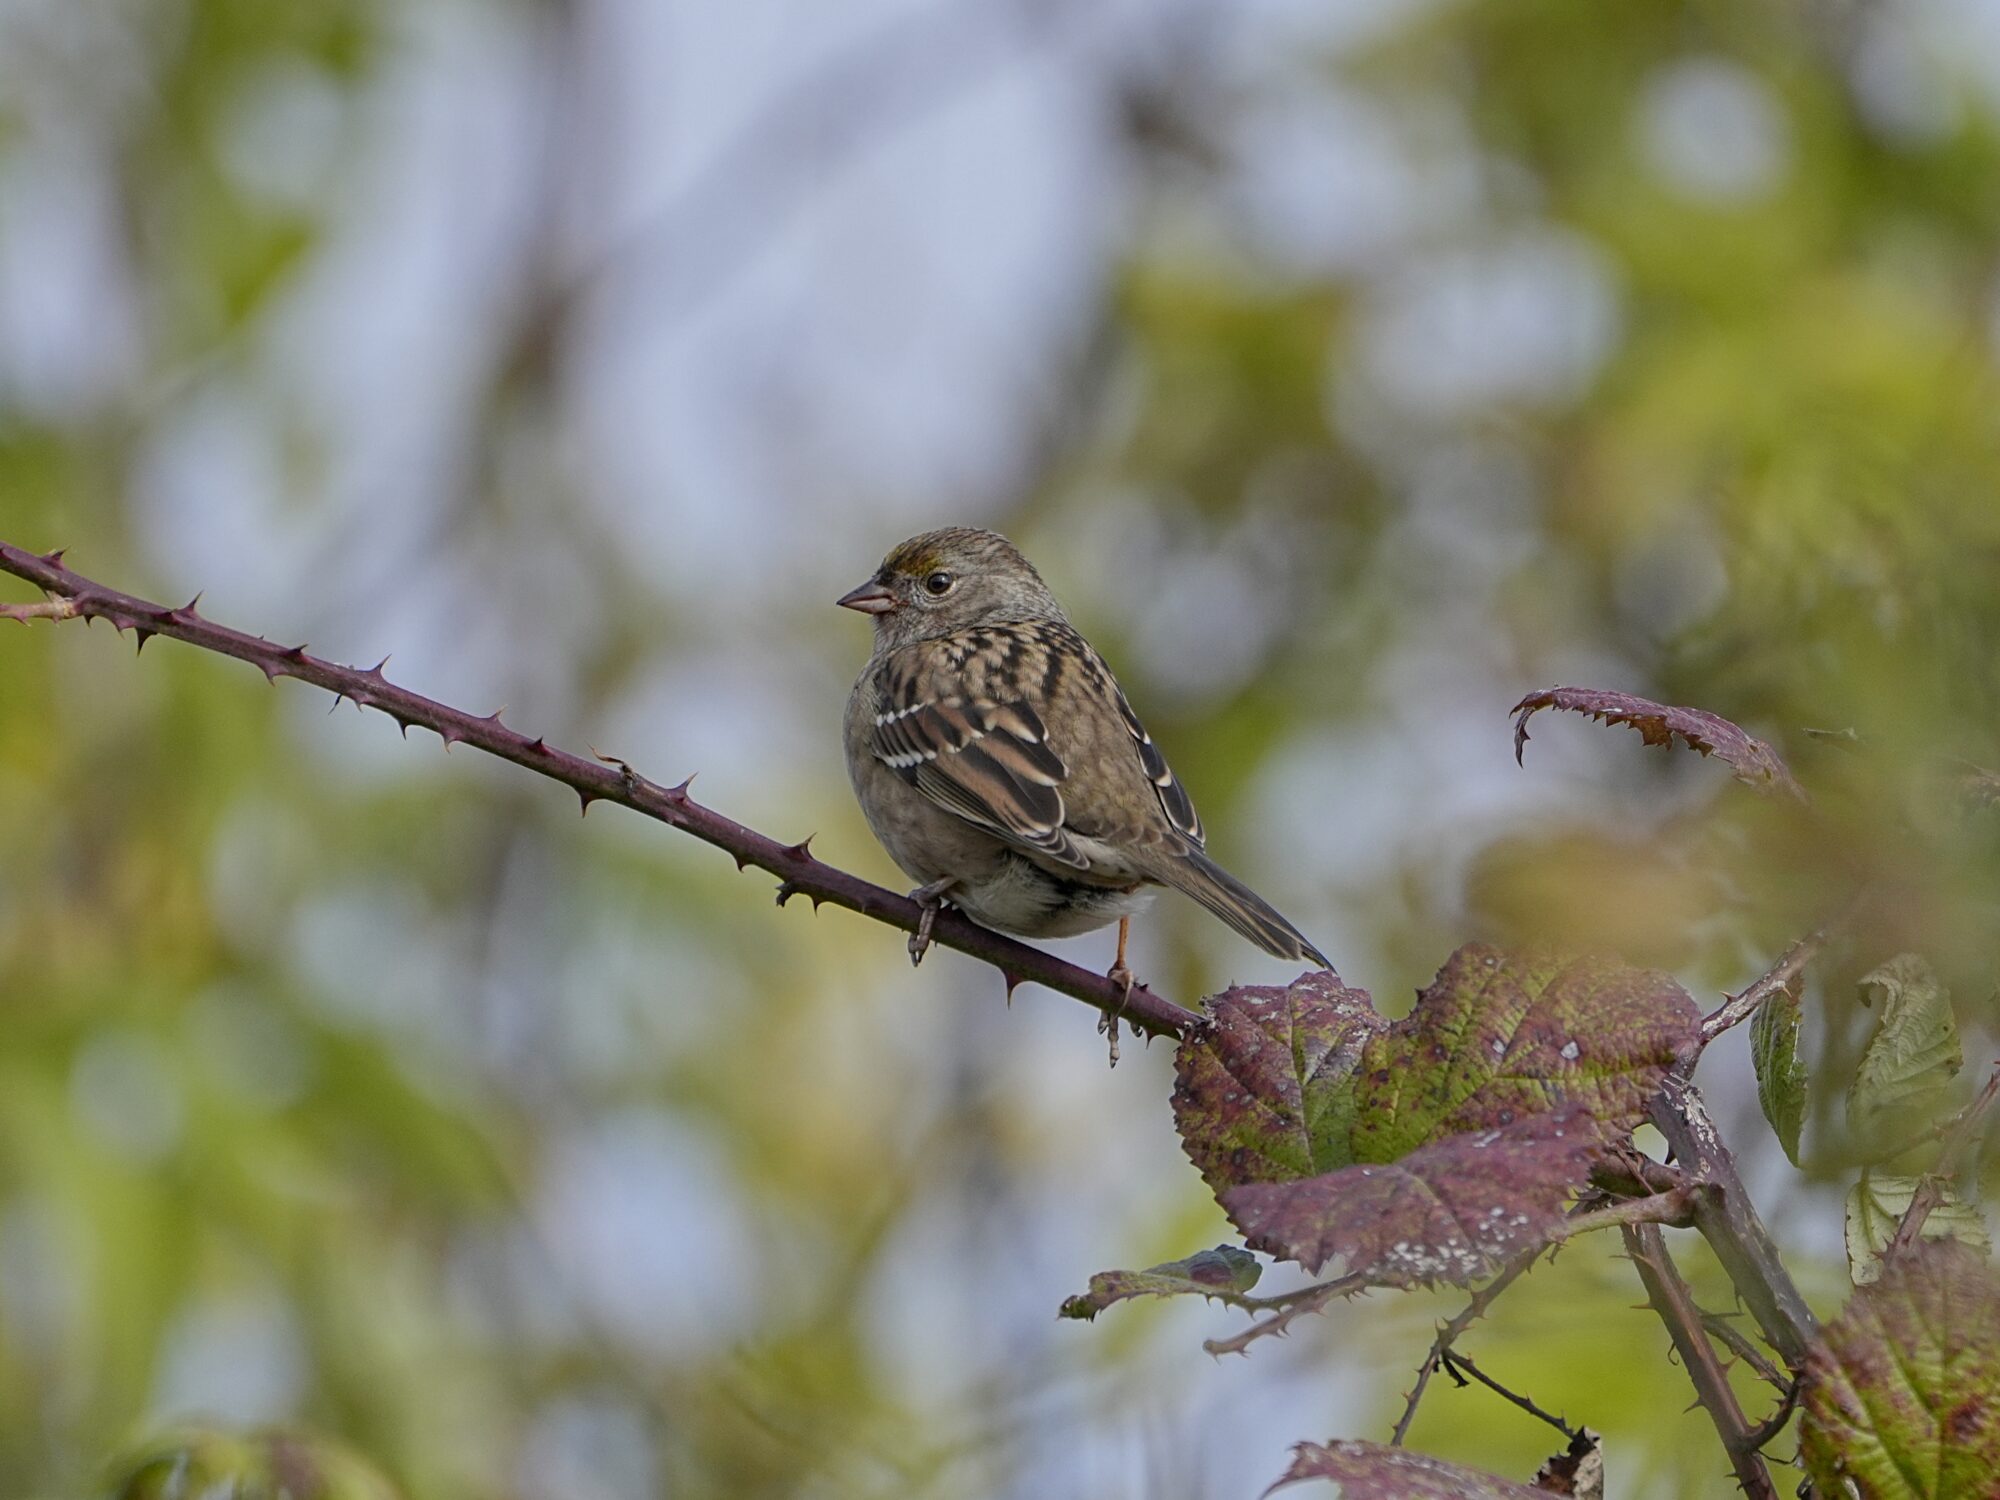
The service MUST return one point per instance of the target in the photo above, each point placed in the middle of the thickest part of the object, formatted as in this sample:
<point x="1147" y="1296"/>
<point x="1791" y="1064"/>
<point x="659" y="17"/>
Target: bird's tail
<point x="1193" y="873"/>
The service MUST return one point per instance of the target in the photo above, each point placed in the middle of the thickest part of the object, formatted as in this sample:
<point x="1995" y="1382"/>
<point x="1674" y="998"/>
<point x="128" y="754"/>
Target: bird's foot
<point x="1107" y="1025"/>
<point x="931" y="899"/>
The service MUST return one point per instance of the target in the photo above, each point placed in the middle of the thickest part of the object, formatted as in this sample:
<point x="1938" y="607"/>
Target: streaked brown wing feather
<point x="1174" y="800"/>
<point x="987" y="762"/>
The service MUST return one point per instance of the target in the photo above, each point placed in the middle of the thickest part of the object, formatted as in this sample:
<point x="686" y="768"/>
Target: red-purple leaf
<point x="1264" y="1092"/>
<point x="1755" y="763"/>
<point x="1498" y="1037"/>
<point x="1902" y="1390"/>
<point x="1370" y="1471"/>
<point x="1451" y="1211"/>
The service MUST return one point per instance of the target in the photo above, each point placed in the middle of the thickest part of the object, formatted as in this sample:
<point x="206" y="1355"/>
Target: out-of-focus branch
<point x="1671" y="1299"/>
<point x="604" y="779"/>
<point x="49" y="609"/>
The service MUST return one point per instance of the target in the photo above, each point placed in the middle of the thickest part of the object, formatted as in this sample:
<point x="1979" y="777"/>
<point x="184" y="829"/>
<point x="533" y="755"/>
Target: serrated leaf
<point x="1226" y="1272"/>
<point x="1497" y="1037"/>
<point x="1265" y="1091"/>
<point x="1451" y="1211"/>
<point x="1901" y="1395"/>
<point x="1373" y="1471"/>
<point x="1781" y="1077"/>
<point x="1912" y="1058"/>
<point x="1877" y="1205"/>
<point x="1755" y="763"/>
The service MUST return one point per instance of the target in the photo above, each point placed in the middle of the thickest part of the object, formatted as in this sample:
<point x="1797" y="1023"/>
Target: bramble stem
<point x="1729" y="1222"/>
<point x="1671" y="1299"/>
<point x="604" y="779"/>
<point x="1458" y="1365"/>
<point x="1447" y="1334"/>
<point x="1780" y="976"/>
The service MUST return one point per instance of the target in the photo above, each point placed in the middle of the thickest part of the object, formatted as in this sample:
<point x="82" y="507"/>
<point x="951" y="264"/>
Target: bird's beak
<point x="871" y="598"/>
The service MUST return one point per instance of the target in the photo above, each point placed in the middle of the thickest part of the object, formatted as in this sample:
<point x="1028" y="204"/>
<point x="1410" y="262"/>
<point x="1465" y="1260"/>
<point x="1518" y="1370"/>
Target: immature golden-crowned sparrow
<point x="1001" y="767"/>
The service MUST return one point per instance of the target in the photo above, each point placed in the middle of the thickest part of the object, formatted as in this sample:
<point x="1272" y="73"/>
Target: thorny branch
<point x="1458" y="1366"/>
<point x="1706" y="1193"/>
<point x="606" y="780"/>
<point x="1732" y="1338"/>
<point x="1670" y="1298"/>
<point x="1781" y="976"/>
<point x="1729" y="1222"/>
<point x="1723" y="1211"/>
<point x="1447" y="1335"/>
<point x="1290" y="1306"/>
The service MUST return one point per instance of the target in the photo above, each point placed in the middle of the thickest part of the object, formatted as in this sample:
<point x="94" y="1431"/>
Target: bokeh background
<point x="1350" y="366"/>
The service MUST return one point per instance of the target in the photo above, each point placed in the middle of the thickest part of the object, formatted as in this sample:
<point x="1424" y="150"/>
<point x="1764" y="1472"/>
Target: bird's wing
<point x="985" y="759"/>
<point x="1174" y="800"/>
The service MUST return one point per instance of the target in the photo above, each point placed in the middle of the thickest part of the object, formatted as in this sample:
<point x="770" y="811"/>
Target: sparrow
<point x="1001" y="767"/>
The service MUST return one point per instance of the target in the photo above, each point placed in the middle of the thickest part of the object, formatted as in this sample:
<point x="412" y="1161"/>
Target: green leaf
<point x="1781" y="1077"/>
<point x="1265" y="1091"/>
<point x="1498" y="1037"/>
<point x="1373" y="1471"/>
<point x="1913" y="1057"/>
<point x="1877" y="1205"/>
<point x="1225" y="1273"/>
<point x="1902" y="1391"/>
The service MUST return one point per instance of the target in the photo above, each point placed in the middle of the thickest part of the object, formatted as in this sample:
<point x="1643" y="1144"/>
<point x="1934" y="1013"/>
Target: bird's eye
<point x="939" y="583"/>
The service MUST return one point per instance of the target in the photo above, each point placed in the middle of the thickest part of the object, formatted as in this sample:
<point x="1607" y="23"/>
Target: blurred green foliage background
<point x="1351" y="369"/>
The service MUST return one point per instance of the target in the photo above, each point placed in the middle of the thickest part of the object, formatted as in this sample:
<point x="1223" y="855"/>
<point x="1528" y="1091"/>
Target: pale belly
<point x="1024" y="899"/>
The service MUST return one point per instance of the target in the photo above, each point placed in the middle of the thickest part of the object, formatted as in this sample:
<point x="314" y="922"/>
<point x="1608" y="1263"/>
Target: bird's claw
<point x="920" y="940"/>
<point x="930" y="898"/>
<point x="1107" y="1024"/>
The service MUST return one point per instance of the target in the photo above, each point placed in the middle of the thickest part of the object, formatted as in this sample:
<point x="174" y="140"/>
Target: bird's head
<point x="946" y="581"/>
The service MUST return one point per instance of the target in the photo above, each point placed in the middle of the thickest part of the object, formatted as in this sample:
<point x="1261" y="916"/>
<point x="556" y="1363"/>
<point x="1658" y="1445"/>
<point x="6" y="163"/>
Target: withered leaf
<point x="1577" y="1471"/>
<point x="1755" y="763"/>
